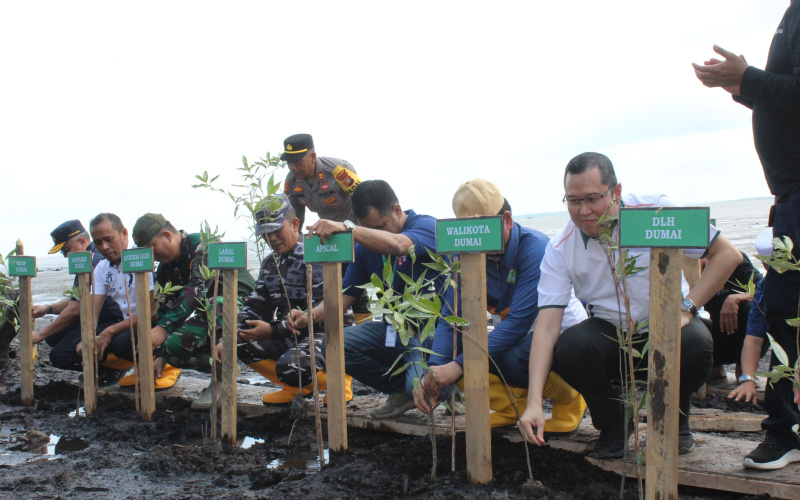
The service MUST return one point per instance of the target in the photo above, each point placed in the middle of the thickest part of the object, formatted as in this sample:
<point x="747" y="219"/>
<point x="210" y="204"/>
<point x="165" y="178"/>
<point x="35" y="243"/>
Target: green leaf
<point x="778" y="350"/>
<point x="455" y="319"/>
<point x="795" y="322"/>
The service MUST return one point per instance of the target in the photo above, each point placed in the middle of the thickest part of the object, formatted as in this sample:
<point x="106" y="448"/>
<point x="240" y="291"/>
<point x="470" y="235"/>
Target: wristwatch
<point x="688" y="306"/>
<point x="349" y="225"/>
<point x="747" y="378"/>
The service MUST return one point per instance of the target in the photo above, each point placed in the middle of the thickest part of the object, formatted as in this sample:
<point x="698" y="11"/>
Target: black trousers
<point x="781" y="294"/>
<point x="727" y="348"/>
<point x="588" y="357"/>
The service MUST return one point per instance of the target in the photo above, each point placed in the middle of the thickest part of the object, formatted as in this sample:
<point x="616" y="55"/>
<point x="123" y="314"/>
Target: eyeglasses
<point x="67" y="246"/>
<point x="590" y="201"/>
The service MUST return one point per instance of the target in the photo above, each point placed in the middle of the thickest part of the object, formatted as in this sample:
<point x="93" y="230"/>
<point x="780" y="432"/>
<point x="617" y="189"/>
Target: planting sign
<point x="227" y="255"/>
<point x="138" y="260"/>
<point x="664" y="227"/>
<point x="22" y="266"/>
<point x="470" y="235"/>
<point x="338" y="247"/>
<point x="80" y="262"/>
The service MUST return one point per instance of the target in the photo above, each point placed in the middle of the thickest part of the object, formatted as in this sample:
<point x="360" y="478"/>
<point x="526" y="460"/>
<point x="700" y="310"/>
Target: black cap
<point x="296" y="146"/>
<point x="64" y="232"/>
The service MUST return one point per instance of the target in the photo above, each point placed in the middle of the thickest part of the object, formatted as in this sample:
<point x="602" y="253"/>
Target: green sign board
<point x="470" y="235"/>
<point x="137" y="260"/>
<point x="79" y="262"/>
<point x="338" y="247"/>
<point x="227" y="255"/>
<point x="22" y="266"/>
<point x="664" y="227"/>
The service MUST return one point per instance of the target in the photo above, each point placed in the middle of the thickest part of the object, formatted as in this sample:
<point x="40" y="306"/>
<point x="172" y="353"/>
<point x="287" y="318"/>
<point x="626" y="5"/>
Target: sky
<point x="115" y="106"/>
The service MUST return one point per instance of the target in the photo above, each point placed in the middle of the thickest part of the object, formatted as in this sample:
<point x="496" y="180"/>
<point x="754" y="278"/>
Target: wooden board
<point x="87" y="344"/>
<point x="334" y="356"/>
<point x="716" y="463"/>
<point x="230" y="311"/>
<point x="144" y="347"/>
<point x="476" y="366"/>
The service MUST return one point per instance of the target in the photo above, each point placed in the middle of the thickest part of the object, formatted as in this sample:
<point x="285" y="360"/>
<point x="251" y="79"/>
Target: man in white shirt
<point x="588" y="355"/>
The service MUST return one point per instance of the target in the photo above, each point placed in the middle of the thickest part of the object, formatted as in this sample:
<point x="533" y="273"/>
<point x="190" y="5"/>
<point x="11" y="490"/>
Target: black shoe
<point x="771" y="454"/>
<point x="109" y="376"/>
<point x="685" y="438"/>
<point x="612" y="441"/>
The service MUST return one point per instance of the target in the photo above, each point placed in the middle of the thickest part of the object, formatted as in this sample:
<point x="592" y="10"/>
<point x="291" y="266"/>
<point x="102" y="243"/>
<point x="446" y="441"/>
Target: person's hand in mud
<point x="296" y="320"/>
<point x="746" y="391"/>
<point x="259" y="330"/>
<point x="324" y="228"/>
<point x="729" y="313"/>
<point x="100" y="344"/>
<point x="158" y="366"/>
<point x="726" y="74"/>
<point x="432" y="383"/>
<point x="531" y="423"/>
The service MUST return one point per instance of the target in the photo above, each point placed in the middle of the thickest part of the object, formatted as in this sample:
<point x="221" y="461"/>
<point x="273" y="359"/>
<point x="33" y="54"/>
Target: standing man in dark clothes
<point x="64" y="333"/>
<point x="774" y="96"/>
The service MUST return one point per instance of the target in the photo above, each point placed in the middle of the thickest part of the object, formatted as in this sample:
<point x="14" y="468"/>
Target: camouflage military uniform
<point x="269" y="303"/>
<point x="327" y="193"/>
<point x="182" y="314"/>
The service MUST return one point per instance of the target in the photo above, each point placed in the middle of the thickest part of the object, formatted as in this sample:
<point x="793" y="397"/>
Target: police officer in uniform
<point x="324" y="185"/>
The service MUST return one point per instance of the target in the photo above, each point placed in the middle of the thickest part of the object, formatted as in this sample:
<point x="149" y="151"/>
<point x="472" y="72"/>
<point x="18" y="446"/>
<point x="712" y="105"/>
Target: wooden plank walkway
<point x="716" y="462"/>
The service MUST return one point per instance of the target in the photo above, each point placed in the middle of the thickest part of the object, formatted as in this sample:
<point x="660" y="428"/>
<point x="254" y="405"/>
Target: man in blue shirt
<point x="512" y="278"/>
<point x="384" y="233"/>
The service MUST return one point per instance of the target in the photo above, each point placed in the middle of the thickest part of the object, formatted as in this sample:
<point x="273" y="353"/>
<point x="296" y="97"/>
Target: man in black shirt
<point x="774" y="96"/>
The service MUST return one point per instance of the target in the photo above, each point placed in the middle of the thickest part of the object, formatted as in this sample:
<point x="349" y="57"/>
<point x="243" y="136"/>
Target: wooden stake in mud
<point x="338" y="248"/>
<point x="140" y="262"/>
<point x="666" y="230"/>
<point x="25" y="269"/>
<point x="229" y="259"/>
<point x="476" y="339"/>
<point x="313" y="352"/>
<point x="80" y="263"/>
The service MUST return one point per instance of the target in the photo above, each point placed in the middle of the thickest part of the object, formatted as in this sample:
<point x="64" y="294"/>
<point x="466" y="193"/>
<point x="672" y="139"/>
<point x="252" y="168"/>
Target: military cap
<point x="64" y="232"/>
<point x="270" y="218"/>
<point x="146" y="227"/>
<point x="296" y="146"/>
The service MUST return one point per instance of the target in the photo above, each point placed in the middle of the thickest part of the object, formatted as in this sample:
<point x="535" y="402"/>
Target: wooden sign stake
<point x="334" y="356"/>
<point x="87" y="341"/>
<point x="144" y="365"/>
<point x="230" y="311"/>
<point x="664" y="373"/>
<point x="476" y="368"/>
<point x="25" y="344"/>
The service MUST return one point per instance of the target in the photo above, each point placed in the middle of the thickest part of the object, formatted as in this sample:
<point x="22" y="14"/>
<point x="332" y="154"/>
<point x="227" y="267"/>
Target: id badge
<point x="391" y="336"/>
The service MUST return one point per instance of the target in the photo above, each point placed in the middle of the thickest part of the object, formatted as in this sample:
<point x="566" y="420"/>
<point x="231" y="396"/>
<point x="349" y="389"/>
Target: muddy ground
<point x="114" y="454"/>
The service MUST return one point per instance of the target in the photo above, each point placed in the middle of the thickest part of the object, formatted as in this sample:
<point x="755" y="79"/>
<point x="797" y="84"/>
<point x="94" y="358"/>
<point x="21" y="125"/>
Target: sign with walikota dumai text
<point x="664" y="227"/>
<point x="137" y="260"/>
<point x="470" y="235"/>
<point x="338" y="247"/>
<point x="227" y="255"/>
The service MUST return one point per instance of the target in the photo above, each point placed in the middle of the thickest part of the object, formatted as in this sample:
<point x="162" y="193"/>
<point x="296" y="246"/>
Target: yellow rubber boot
<point x="322" y="380"/>
<point x="117" y="363"/>
<point x="167" y="379"/>
<point x="362" y="317"/>
<point x="568" y="405"/>
<point x="504" y="412"/>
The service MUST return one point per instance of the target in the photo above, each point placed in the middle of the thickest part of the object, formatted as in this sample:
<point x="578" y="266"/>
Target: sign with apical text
<point x="22" y="266"/>
<point x="664" y="227"/>
<point x="79" y="262"/>
<point x="137" y="260"/>
<point x="470" y="235"/>
<point x="338" y="247"/>
<point x="227" y="255"/>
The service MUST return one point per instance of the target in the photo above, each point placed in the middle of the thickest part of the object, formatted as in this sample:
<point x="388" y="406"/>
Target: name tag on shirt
<point x="391" y="336"/>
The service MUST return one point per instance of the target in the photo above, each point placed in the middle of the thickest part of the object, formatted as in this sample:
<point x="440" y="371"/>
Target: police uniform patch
<point x="512" y="276"/>
<point x="298" y="189"/>
<point x="303" y="201"/>
<point x="330" y="199"/>
<point x="346" y="179"/>
<point x="286" y="187"/>
<point x="321" y="176"/>
<point x="324" y="186"/>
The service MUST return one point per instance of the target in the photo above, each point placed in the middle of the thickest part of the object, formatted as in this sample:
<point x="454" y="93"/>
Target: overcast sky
<point x="114" y="106"/>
